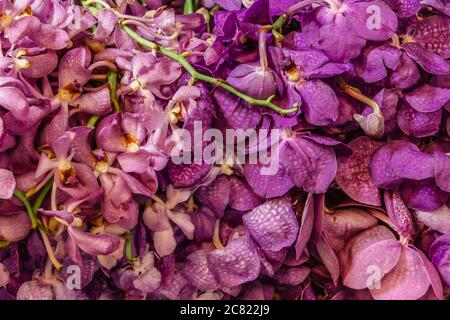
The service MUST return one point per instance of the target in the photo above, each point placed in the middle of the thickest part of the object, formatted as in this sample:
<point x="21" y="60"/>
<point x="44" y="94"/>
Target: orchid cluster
<point x="93" y="94"/>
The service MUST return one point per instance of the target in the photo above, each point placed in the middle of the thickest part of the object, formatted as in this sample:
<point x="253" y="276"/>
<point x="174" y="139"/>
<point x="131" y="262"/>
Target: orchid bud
<point x="372" y="125"/>
<point x="257" y="79"/>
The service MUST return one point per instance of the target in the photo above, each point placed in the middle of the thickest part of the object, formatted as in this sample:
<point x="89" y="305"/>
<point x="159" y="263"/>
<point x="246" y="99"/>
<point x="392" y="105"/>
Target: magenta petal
<point x="267" y="185"/>
<point x="433" y="275"/>
<point x="235" y="264"/>
<point x="94" y="244"/>
<point x="407" y="281"/>
<point x="136" y="186"/>
<point x="215" y="196"/>
<point x="418" y="124"/>
<point x="40" y="65"/>
<point x="409" y="162"/>
<point x="197" y="272"/>
<point x="329" y="258"/>
<point x="345" y="223"/>
<point x="155" y="218"/>
<point x="63" y="215"/>
<point x="33" y="290"/>
<point x="353" y="172"/>
<point x="440" y="253"/>
<point x="15" y="101"/>
<point x="187" y="175"/>
<point x="106" y="22"/>
<point x="242" y="197"/>
<point x="309" y="164"/>
<point x="164" y="242"/>
<point x="360" y="14"/>
<point x="97" y="102"/>
<point x="109" y="135"/>
<point x="253" y="80"/>
<point x="380" y="166"/>
<point x="405" y="8"/>
<point x="137" y="162"/>
<point x="73" y="68"/>
<point x="320" y="102"/>
<point x="14" y="227"/>
<point x="372" y="67"/>
<point x="428" y="60"/>
<point x="442" y="170"/>
<point x="399" y="214"/>
<point x="7" y="183"/>
<point x="23" y="27"/>
<point x="438" y="220"/>
<point x="292" y="275"/>
<point x="423" y="195"/>
<point x="375" y="247"/>
<point x="406" y="74"/>
<point x="427" y="98"/>
<point x="51" y="37"/>
<point x="432" y="31"/>
<point x="273" y="224"/>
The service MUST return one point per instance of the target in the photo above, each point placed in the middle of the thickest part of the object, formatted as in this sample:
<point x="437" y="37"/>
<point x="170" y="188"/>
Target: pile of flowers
<point x="95" y="204"/>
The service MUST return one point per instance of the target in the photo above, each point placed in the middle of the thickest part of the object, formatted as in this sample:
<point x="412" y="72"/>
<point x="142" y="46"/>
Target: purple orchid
<point x="224" y="150"/>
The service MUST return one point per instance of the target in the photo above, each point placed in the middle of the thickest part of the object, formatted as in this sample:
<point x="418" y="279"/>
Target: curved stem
<point x="19" y="195"/>
<point x="278" y="25"/>
<point x="100" y="64"/>
<point x="40" y="198"/>
<point x="199" y="76"/>
<point x="92" y="121"/>
<point x="50" y="252"/>
<point x="356" y="94"/>
<point x="112" y="83"/>
<point x="262" y="49"/>
<point x="173" y="36"/>
<point x="128" y="251"/>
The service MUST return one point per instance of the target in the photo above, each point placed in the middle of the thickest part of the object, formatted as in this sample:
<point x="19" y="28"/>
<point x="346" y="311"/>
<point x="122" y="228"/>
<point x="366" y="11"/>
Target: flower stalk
<point x="200" y="76"/>
<point x="128" y="251"/>
<point x="188" y="7"/>
<point x="41" y="196"/>
<point x="180" y="58"/>
<point x="112" y="83"/>
<point x="356" y="94"/>
<point x="19" y="195"/>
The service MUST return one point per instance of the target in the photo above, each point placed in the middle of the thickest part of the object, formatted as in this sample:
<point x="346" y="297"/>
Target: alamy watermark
<point x="73" y="280"/>
<point x="374" y="278"/>
<point x="373" y="22"/>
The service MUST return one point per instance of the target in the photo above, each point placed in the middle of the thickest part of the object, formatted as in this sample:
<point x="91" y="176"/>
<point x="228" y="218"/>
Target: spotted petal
<point x="353" y="172"/>
<point x="273" y="224"/>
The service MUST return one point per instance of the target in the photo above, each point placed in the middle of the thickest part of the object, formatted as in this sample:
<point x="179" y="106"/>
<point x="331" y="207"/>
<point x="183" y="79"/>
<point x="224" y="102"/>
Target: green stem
<point x="188" y="7"/>
<point x="214" y="9"/>
<point x="112" y="83"/>
<point x="355" y="93"/>
<point x="93" y="10"/>
<point x="92" y="121"/>
<point x="277" y="27"/>
<point x="128" y="251"/>
<point x="199" y="76"/>
<point x="19" y="195"/>
<point x="41" y="196"/>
